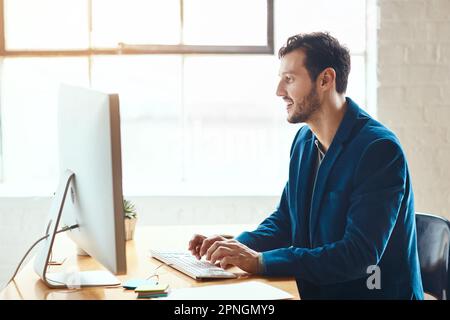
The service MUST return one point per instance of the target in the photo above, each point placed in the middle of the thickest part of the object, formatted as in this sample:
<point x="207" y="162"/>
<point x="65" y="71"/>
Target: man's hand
<point x="199" y="244"/>
<point x="232" y="252"/>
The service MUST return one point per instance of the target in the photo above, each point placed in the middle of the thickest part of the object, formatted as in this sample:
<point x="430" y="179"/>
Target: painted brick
<point x="402" y="31"/>
<point x="391" y="95"/>
<point x="438" y="114"/>
<point x="438" y="10"/>
<point x="393" y="115"/>
<point x="444" y="53"/>
<point x="443" y="154"/>
<point x="392" y="54"/>
<point x="438" y="32"/>
<point x="423" y="95"/>
<point x="420" y="157"/>
<point x="445" y="91"/>
<point x="435" y="203"/>
<point x="400" y="10"/>
<point x="413" y="75"/>
<point x="390" y="75"/>
<point x="422" y="53"/>
<point x="425" y="75"/>
<point x="426" y="134"/>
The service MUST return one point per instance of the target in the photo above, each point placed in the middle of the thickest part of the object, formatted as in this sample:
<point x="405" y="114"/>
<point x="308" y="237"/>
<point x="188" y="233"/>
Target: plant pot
<point x="130" y="226"/>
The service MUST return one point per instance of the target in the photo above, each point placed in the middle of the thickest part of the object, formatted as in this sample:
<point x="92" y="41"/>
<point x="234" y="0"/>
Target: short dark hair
<point x="321" y="51"/>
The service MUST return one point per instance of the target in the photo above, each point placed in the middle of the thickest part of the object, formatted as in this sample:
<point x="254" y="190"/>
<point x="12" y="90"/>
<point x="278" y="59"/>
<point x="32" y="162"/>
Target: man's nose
<point x="281" y="91"/>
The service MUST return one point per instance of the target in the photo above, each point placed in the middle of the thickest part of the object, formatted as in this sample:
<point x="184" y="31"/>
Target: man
<point x="345" y="224"/>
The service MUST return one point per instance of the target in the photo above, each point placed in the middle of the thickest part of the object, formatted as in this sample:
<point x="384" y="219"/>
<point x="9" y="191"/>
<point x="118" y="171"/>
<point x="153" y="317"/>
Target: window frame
<point x="145" y="49"/>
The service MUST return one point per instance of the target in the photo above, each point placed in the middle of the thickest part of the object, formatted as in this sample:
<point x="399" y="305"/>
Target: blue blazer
<point x="361" y="214"/>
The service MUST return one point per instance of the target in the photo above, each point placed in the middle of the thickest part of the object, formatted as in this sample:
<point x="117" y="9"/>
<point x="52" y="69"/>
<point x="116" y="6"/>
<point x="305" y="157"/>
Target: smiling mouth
<point x="288" y="102"/>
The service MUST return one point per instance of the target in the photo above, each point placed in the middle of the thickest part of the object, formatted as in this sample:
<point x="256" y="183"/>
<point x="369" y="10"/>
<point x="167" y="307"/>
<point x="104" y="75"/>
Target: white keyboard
<point x="189" y="265"/>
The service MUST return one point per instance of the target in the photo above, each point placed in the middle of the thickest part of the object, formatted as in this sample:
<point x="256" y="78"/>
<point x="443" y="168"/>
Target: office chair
<point x="433" y="239"/>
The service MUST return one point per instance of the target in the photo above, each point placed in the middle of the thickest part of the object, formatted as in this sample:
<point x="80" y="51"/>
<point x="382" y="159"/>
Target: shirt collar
<point x="319" y="148"/>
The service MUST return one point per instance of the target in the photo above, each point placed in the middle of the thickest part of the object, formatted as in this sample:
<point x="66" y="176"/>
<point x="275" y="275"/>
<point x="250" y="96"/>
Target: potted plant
<point x="130" y="213"/>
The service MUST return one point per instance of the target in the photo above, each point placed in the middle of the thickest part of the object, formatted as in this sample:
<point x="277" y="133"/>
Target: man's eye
<point x="288" y="79"/>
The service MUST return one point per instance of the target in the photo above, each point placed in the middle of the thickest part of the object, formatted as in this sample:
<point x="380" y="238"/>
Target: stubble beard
<point x="302" y="111"/>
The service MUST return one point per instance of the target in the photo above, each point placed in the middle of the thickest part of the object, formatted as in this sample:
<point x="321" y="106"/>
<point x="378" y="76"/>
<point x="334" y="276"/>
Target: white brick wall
<point x="414" y="92"/>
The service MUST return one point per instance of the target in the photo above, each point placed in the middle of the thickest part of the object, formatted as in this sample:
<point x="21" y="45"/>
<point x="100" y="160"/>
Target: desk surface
<point x="27" y="284"/>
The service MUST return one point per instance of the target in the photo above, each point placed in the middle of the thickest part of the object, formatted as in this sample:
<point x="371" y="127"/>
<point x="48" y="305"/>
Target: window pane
<point x="356" y="88"/>
<point x="46" y="24"/>
<point x="149" y="89"/>
<point x="135" y="22"/>
<point x="345" y="20"/>
<point x="238" y="136"/>
<point x="225" y="22"/>
<point x="29" y="103"/>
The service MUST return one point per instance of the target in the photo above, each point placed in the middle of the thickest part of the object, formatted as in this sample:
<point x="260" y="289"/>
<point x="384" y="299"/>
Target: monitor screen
<point x="90" y="146"/>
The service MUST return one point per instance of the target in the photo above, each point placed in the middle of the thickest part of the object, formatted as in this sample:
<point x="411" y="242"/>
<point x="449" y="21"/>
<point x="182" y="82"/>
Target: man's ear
<point x="327" y="78"/>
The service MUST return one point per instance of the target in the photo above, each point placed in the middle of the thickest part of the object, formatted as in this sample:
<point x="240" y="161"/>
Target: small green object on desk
<point x="152" y="290"/>
<point x="152" y="295"/>
<point x="134" y="283"/>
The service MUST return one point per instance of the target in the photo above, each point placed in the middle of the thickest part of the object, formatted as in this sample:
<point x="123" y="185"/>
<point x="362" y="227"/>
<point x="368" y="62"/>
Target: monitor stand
<point x="42" y="260"/>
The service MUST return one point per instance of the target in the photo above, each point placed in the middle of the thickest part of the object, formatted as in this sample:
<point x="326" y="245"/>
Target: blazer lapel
<point x="306" y="167"/>
<point x="342" y="134"/>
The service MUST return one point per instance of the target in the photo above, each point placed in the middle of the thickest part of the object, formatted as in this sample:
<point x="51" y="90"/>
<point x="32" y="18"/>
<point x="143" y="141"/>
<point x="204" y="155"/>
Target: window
<point x="198" y="106"/>
<point x="81" y="27"/>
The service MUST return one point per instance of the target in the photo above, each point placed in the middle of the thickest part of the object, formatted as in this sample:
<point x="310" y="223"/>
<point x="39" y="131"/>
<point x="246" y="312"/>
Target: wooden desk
<point x="27" y="284"/>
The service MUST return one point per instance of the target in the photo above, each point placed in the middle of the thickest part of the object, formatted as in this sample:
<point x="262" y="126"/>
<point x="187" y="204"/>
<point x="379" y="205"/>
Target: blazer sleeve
<point x="273" y="232"/>
<point x="379" y="186"/>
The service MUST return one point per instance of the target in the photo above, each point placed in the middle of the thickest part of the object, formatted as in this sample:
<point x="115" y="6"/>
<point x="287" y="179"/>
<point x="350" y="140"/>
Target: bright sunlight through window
<point x="192" y="123"/>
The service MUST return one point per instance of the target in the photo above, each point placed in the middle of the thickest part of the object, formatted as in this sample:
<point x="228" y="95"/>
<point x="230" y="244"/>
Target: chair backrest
<point x="433" y="241"/>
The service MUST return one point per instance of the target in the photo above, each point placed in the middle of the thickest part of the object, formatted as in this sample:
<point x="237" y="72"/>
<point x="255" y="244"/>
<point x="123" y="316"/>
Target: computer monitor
<point x="90" y="189"/>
